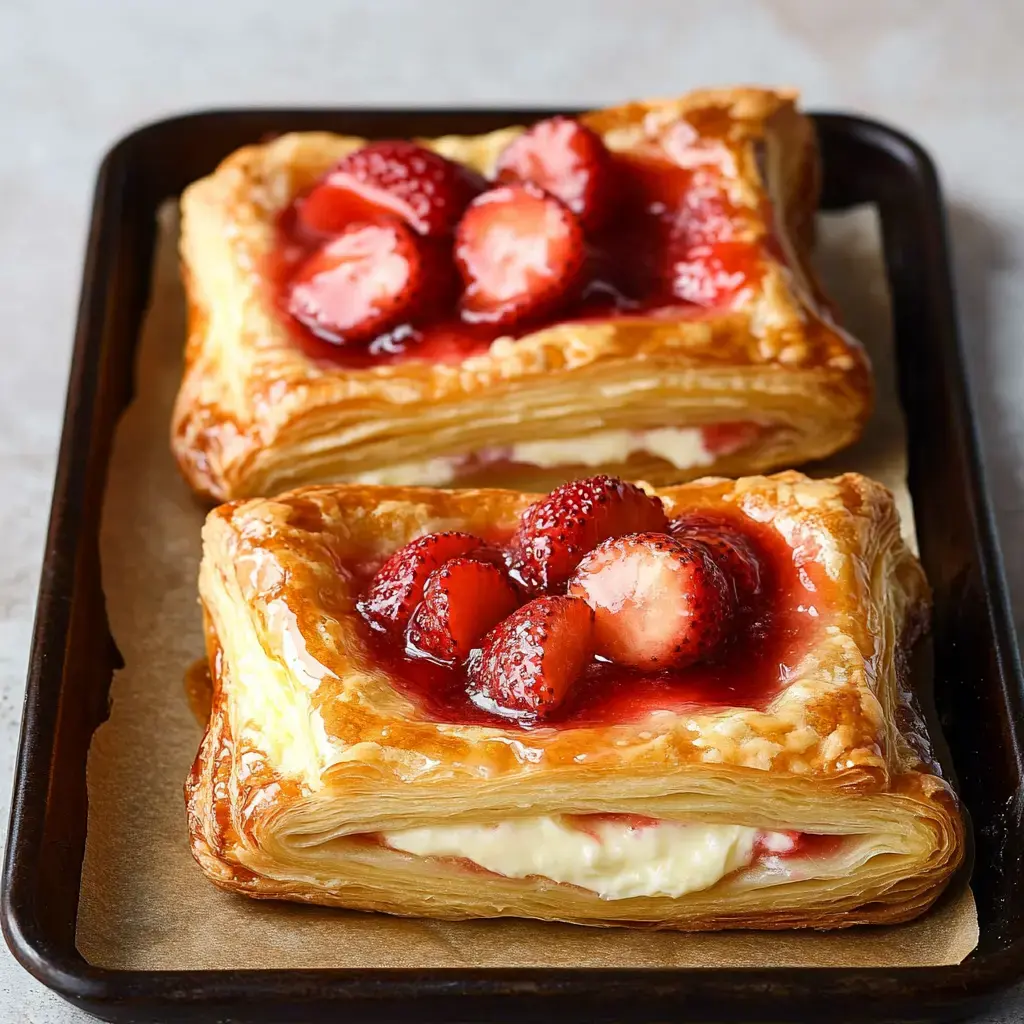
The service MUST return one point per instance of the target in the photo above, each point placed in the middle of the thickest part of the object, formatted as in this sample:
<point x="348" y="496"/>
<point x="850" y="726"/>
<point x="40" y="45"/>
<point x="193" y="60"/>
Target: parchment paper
<point x="145" y="904"/>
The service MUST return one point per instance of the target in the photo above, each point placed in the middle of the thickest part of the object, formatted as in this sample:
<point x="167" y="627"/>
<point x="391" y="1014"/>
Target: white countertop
<point x="76" y="76"/>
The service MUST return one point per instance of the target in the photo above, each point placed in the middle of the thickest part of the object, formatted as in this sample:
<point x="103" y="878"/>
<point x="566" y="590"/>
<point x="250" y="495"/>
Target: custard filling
<point x="615" y="856"/>
<point x="682" y="447"/>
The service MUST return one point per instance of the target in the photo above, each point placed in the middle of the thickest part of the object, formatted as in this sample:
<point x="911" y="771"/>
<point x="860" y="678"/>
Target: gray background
<point x="75" y="75"/>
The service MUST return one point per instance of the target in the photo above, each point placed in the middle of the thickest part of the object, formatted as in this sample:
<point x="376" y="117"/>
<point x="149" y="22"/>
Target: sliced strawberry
<point x="691" y="204"/>
<point x="684" y="232"/>
<point x="706" y="215"/>
<point x="715" y="276"/>
<point x="733" y="553"/>
<point x="566" y="159"/>
<point x="531" y="659"/>
<point x="521" y="254"/>
<point x="555" y="533"/>
<point x="397" y="588"/>
<point x="366" y="281"/>
<point x="428" y="191"/>
<point x="328" y="211"/>
<point x="461" y="601"/>
<point x="658" y="603"/>
<point x="359" y="284"/>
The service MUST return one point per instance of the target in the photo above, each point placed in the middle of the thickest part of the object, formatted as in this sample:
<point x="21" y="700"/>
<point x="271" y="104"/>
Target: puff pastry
<point x="630" y="396"/>
<point x="313" y="754"/>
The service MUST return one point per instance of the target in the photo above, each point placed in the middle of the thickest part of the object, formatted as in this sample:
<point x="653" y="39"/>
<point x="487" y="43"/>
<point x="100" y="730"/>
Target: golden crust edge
<point x="216" y="441"/>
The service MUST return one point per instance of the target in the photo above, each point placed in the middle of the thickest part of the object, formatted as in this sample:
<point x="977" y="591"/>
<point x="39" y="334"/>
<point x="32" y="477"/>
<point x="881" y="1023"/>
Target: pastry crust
<point x="310" y="747"/>
<point x="255" y="414"/>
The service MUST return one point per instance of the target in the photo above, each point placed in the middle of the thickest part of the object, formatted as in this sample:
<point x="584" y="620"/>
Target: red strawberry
<point x="690" y="204"/>
<point x="683" y="231"/>
<point x="706" y="215"/>
<point x="428" y="191"/>
<point x="555" y="533"/>
<point x="531" y="659"/>
<point x="566" y="159"/>
<point x="714" y="276"/>
<point x="461" y="601"/>
<point x="520" y="253"/>
<point x="733" y="553"/>
<point x="366" y="281"/>
<point x="658" y="603"/>
<point x="398" y="586"/>
<point x="328" y="211"/>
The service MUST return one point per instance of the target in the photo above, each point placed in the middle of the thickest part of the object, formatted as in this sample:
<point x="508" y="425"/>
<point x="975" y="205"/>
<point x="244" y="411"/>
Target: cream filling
<point x="611" y="857"/>
<point x="430" y="472"/>
<point x="683" y="447"/>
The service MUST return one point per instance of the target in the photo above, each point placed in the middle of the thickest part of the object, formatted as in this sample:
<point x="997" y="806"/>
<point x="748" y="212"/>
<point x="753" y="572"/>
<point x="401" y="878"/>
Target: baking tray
<point x="978" y="682"/>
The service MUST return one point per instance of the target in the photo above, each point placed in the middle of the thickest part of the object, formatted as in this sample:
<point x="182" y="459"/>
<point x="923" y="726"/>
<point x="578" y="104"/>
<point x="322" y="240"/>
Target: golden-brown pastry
<point x="739" y="369"/>
<point x="781" y="780"/>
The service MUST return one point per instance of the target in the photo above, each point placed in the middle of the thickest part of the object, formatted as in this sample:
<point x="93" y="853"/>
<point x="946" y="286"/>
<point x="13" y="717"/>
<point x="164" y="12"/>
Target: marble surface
<point x="77" y="76"/>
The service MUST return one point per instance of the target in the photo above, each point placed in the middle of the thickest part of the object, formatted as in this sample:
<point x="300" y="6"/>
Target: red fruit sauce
<point x="672" y="221"/>
<point x="588" y="822"/>
<point x="769" y="639"/>
<point x="806" y="845"/>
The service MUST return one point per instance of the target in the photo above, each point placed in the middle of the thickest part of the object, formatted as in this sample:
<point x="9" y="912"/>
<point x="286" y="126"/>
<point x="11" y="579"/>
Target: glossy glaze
<point x="773" y="628"/>
<point x="672" y="189"/>
<point x="301" y="557"/>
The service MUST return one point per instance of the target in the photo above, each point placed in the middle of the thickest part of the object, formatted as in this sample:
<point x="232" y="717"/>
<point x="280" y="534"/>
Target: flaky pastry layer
<point x="310" y="749"/>
<point x="255" y="414"/>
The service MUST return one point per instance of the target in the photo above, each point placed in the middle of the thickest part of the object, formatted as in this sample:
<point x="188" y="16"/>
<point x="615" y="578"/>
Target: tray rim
<point x="95" y="988"/>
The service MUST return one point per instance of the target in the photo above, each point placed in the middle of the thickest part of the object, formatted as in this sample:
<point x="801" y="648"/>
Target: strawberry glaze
<point x="670" y="250"/>
<point x="771" y="634"/>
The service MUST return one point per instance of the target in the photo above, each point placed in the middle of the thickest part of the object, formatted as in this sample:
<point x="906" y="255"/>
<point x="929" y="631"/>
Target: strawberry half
<point x="732" y="552"/>
<point x="531" y="659"/>
<point x="366" y="281"/>
<point x="461" y="601"/>
<point x="521" y="254"/>
<point x="691" y="204"/>
<point x="566" y="159"/>
<point x="684" y="233"/>
<point x="712" y="275"/>
<point x="555" y="533"/>
<point x="658" y="603"/>
<point x="423" y="188"/>
<point x="398" y="586"/>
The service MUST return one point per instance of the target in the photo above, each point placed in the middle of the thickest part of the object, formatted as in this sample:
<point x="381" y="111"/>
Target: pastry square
<point x="784" y="782"/>
<point x="698" y="339"/>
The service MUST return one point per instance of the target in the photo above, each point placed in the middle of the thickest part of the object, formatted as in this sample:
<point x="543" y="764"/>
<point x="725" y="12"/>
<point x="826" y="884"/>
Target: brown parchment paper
<point x="145" y="904"/>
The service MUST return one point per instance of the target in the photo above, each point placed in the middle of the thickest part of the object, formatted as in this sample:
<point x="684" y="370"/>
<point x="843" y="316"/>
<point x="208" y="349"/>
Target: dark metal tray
<point x="978" y="683"/>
